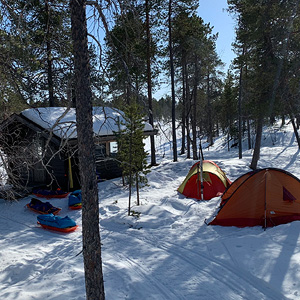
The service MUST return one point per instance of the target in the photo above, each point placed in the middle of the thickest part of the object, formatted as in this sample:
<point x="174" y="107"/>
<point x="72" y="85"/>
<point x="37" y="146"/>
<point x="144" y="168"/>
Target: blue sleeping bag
<point x="75" y="198"/>
<point x="56" y="221"/>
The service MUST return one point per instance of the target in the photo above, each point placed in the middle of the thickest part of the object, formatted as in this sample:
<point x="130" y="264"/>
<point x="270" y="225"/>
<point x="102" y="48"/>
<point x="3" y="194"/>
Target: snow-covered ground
<point x="165" y="251"/>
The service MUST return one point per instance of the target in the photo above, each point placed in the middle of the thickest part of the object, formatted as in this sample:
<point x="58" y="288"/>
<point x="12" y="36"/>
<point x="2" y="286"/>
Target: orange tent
<point x="265" y="197"/>
<point x="214" y="181"/>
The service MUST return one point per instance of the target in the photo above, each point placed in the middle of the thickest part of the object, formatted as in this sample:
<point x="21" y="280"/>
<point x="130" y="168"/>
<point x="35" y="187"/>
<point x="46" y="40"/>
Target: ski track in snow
<point x="207" y="266"/>
<point x="235" y="275"/>
<point x="158" y="289"/>
<point x="263" y="287"/>
<point x="229" y="254"/>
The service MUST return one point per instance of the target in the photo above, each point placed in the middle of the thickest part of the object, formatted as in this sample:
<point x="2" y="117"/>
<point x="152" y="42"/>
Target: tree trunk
<point x="187" y="117"/>
<point x="130" y="171"/>
<point x="129" y="195"/>
<point x="249" y="134"/>
<point x="183" y="113"/>
<point x="295" y="131"/>
<point x="194" y="118"/>
<point x="49" y="58"/>
<point x="282" y="120"/>
<point x="240" y="112"/>
<point x="153" y="158"/>
<point x="90" y="208"/>
<point x="256" y="152"/>
<point x="137" y="189"/>
<point x="228" y="139"/>
<point x="210" y="126"/>
<point x="194" y="110"/>
<point x="172" y="83"/>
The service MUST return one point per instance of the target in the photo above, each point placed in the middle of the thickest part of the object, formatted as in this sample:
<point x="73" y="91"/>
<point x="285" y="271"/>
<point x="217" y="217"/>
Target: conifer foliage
<point x="131" y="152"/>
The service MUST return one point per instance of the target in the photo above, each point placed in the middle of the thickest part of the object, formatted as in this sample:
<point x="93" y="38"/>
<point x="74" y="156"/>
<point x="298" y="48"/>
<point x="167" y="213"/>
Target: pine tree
<point x="131" y="150"/>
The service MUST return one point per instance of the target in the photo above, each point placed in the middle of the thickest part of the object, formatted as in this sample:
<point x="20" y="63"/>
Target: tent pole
<point x="201" y="168"/>
<point x="201" y="177"/>
<point x="198" y="181"/>
<point x="200" y="151"/>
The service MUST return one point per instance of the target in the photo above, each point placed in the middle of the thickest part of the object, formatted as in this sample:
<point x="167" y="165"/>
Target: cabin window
<point x="106" y="149"/>
<point x="113" y="148"/>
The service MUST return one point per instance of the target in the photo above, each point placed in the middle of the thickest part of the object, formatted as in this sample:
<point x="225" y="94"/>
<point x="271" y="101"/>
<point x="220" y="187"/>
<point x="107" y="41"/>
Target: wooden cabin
<point x="40" y="146"/>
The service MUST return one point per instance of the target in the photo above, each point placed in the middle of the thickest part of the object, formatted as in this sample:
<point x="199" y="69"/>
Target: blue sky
<point x="214" y="12"/>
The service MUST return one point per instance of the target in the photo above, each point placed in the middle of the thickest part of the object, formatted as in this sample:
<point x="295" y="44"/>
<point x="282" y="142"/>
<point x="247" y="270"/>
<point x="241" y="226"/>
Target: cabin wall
<point x="25" y="147"/>
<point x="108" y="169"/>
<point x="20" y="153"/>
<point x="50" y="172"/>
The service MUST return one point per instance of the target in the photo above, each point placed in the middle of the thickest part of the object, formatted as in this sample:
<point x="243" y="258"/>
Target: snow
<point x="165" y="251"/>
<point x="63" y="121"/>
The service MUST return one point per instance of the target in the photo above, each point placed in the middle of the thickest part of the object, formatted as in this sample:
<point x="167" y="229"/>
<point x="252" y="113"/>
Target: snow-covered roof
<point x="63" y="121"/>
